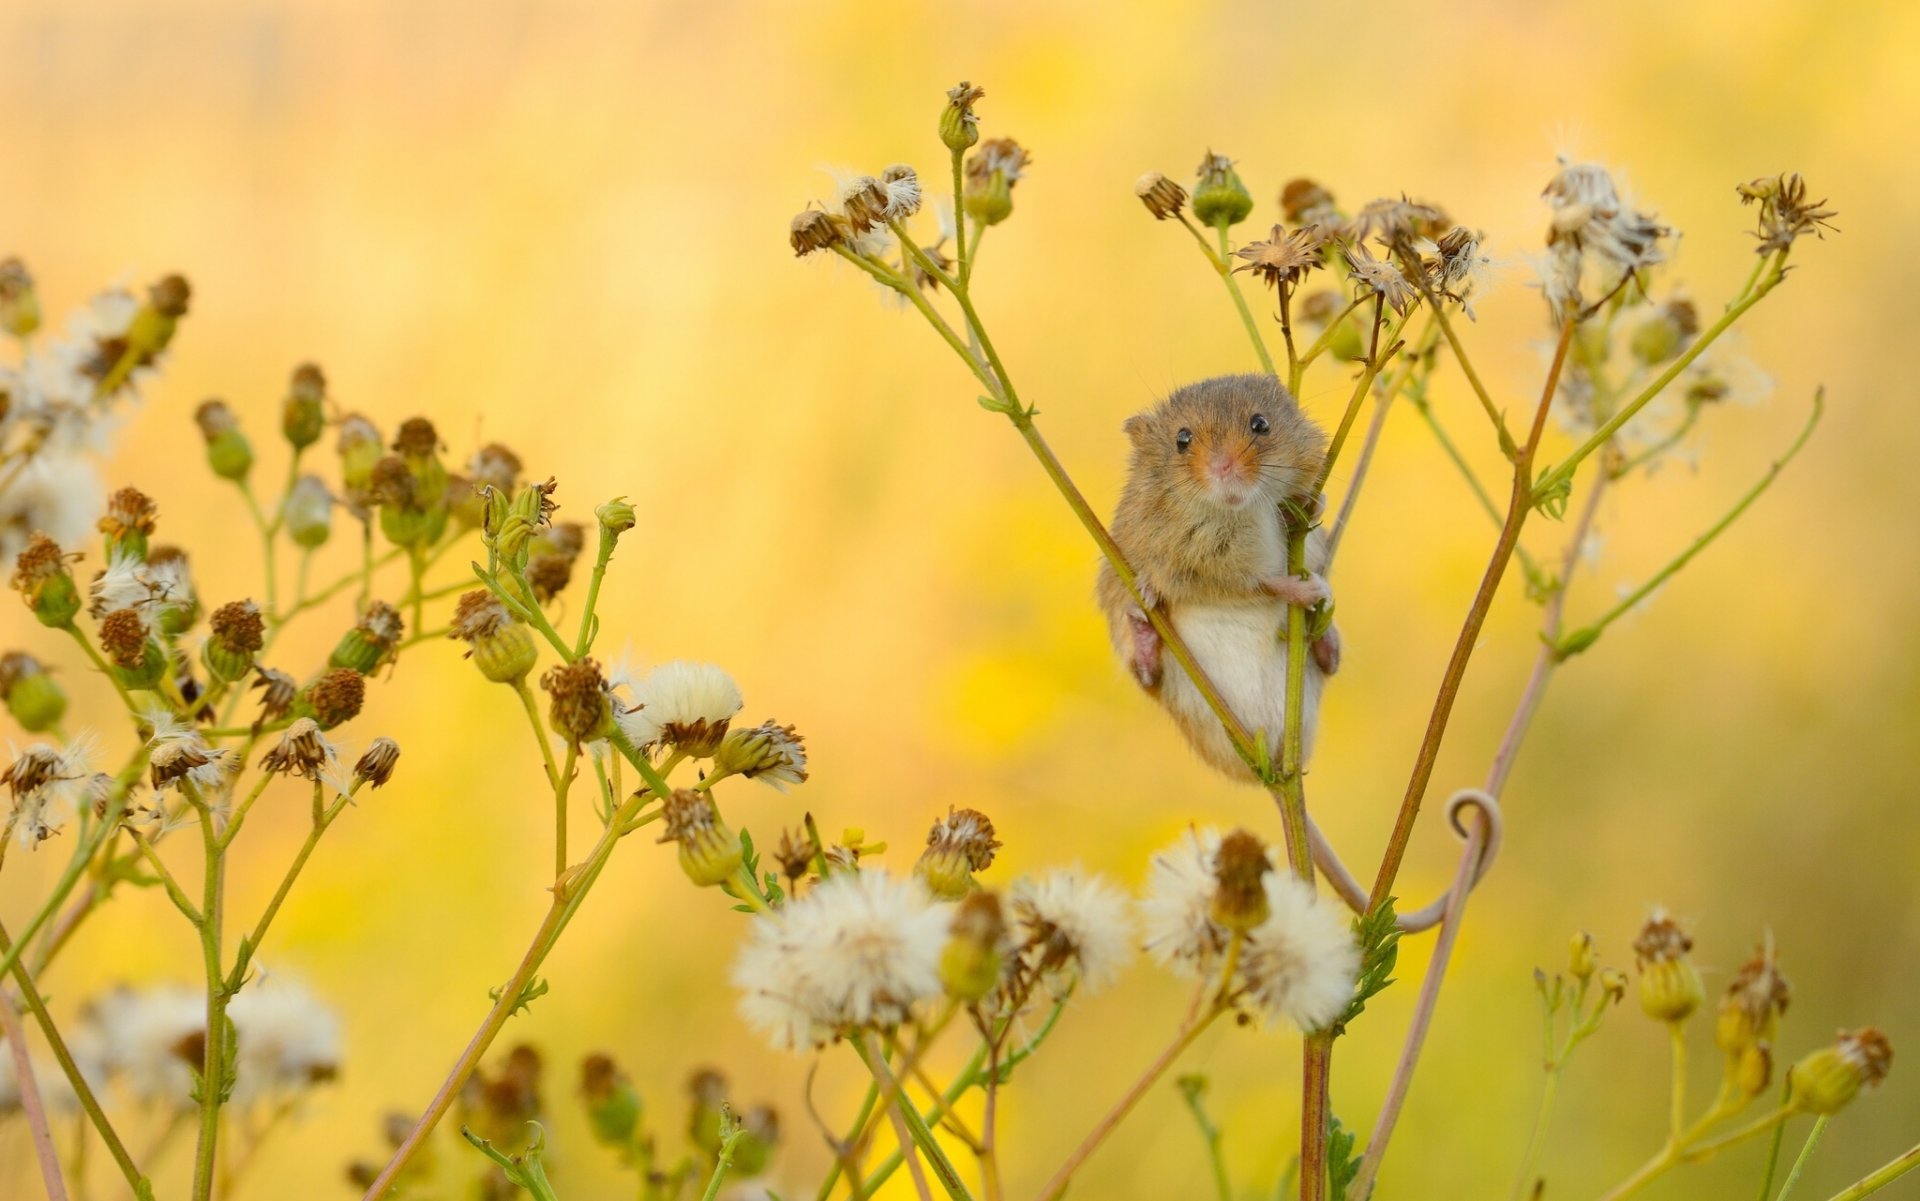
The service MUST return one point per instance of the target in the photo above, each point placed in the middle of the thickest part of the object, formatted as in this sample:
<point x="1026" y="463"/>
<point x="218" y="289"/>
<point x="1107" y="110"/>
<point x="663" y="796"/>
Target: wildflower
<point x="1219" y="198"/>
<point x="334" y="698"/>
<point x="863" y="199"/>
<point x="959" y="127"/>
<point x="1304" y="202"/>
<point x="992" y="171"/>
<point x="31" y="695"/>
<point x="1178" y="909"/>
<point x="127" y="583"/>
<point x="794" y="854"/>
<point x="550" y="566"/>
<point x="1453" y="265"/>
<point x="1071" y="927"/>
<point x="360" y="446"/>
<point x="1670" y="987"/>
<point x="687" y="706"/>
<point x="1581" y="960"/>
<point x="1163" y="197"/>
<point x="308" y="512"/>
<point x="902" y="186"/>
<point x="1379" y="277"/>
<point x="1300" y="964"/>
<point x="581" y="711"/>
<point x="759" y="1133"/>
<point x="1785" y="212"/>
<point x="238" y="634"/>
<point x="189" y="764"/>
<point x="228" y="452"/>
<point x="1590" y="218"/>
<point x="976" y="951"/>
<point x="813" y="230"/>
<point x="959" y="845"/>
<point x="376" y="766"/>
<point x="170" y="575"/>
<point x="46" y="784"/>
<point x="858" y="951"/>
<point x="1754" y="1001"/>
<point x="129" y="522"/>
<point x="154" y="1039"/>
<point x="302" y="751"/>
<point x="613" y="1107"/>
<point x="373" y="641"/>
<point x="707" y="1089"/>
<point x="303" y="414"/>
<point x="278" y="691"/>
<point x="287" y="1040"/>
<point x="1828" y="1079"/>
<point x="1395" y="223"/>
<point x="769" y="752"/>
<point x="128" y="642"/>
<point x="1285" y="258"/>
<point x="710" y="853"/>
<point x="498" y="643"/>
<point x="19" y="302"/>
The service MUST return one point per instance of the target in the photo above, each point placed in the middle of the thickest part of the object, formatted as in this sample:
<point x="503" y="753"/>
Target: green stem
<point x="1806" y="1153"/>
<point x="1537" y="1136"/>
<point x="721" y="1166"/>
<point x="1507" y="446"/>
<point x="1677" y="1100"/>
<point x="1880" y="1178"/>
<point x="1211" y="1135"/>
<point x="584" y="642"/>
<point x="267" y="530"/>
<point x="525" y="694"/>
<point x="1222" y="265"/>
<point x="1583" y="638"/>
<point x="175" y="893"/>
<point x="213" y="1071"/>
<point x="106" y="669"/>
<point x="250" y="945"/>
<point x="1562" y="473"/>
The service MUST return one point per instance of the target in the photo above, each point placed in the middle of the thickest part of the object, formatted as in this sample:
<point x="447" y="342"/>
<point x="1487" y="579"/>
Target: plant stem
<point x="250" y="945"/>
<point x="1806" y="1153"/>
<point x="914" y="1129"/>
<point x="213" y="1072"/>
<point x="1880" y="1178"/>
<point x="1677" y="1108"/>
<point x="77" y="864"/>
<point x="36" y="1113"/>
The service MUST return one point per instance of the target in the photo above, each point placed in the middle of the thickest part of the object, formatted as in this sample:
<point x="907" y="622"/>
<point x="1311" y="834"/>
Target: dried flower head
<point x="1379" y="277"/>
<point x="687" y="706"/>
<point x="1453" y="265"/>
<point x="581" y="711"/>
<point x="376" y="766"/>
<point x="1396" y="223"/>
<point x="214" y="419"/>
<point x="769" y="752"/>
<point x="1071" y="927"/>
<point x="373" y="642"/>
<point x="129" y="512"/>
<point x="863" y="199"/>
<point x="902" y="185"/>
<point x="1305" y="202"/>
<point x="278" y="691"/>
<point x="417" y="439"/>
<point x="813" y="230"/>
<point x="302" y="751"/>
<point x="336" y="697"/>
<point x="549" y="574"/>
<point x="1670" y="987"/>
<point x="123" y="636"/>
<point x="1785" y="212"/>
<point x="1592" y="222"/>
<point x="1284" y="259"/>
<point x="1755" y="999"/>
<point x="857" y="952"/>
<point x="959" y="845"/>
<point x="710" y="853"/>
<point x="238" y="624"/>
<point x="495" y="466"/>
<point x="1240" y="868"/>
<point x="47" y="784"/>
<point x="1163" y="197"/>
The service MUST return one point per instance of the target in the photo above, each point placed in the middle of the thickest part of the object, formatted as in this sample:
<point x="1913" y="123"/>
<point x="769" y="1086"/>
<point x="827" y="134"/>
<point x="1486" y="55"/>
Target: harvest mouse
<point x="1201" y="523"/>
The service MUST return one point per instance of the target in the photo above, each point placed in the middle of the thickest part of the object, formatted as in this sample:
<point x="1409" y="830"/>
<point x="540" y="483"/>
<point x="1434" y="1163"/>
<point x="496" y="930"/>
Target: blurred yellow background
<point x="563" y="227"/>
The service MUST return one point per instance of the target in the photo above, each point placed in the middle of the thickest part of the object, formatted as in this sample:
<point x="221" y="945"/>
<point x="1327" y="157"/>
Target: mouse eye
<point x="1182" y="440"/>
<point x="1259" y="423"/>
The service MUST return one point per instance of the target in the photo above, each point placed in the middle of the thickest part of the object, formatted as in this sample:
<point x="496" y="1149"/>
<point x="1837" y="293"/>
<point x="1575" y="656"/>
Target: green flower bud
<point x="502" y="647"/>
<point x="228" y="452"/>
<point x="710" y="853"/>
<point x="959" y="127"/>
<point x="709" y="1111"/>
<point x="616" y="517"/>
<point x="1751" y="1070"/>
<point x="991" y="202"/>
<point x="19" y="301"/>
<point x="958" y="845"/>
<point x="418" y="445"/>
<point x="153" y="325"/>
<point x="1581" y="960"/>
<point x="1670" y="987"/>
<point x="303" y="414"/>
<point x="1826" y="1081"/>
<point x="976" y="951"/>
<point x="759" y="1132"/>
<point x="1751" y="1007"/>
<point x="1665" y="333"/>
<point x="41" y="577"/>
<point x="308" y="512"/>
<point x="1219" y="197"/>
<point x="128" y="523"/>
<point x="992" y="170"/>
<point x="32" y="696"/>
<point x="613" y="1107"/>
<point x="360" y="447"/>
<point x="238" y="634"/>
<point x="372" y="642"/>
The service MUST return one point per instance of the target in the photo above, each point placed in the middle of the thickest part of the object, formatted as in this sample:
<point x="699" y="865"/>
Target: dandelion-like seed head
<point x="687" y="706"/>
<point x="288" y="1040"/>
<point x="864" y="201"/>
<point x="302" y="751"/>
<point x="1284" y="258"/>
<point x="1071" y="927"/>
<point x="1379" y="277"/>
<point x="1301" y="962"/>
<point x="902" y="184"/>
<point x="857" y="952"/>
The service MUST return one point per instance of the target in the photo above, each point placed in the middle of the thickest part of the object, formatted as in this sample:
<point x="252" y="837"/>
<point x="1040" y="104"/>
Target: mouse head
<point x="1229" y="441"/>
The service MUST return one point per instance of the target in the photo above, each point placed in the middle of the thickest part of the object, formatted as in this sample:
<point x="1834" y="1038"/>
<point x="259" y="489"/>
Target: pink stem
<point x="30" y="1103"/>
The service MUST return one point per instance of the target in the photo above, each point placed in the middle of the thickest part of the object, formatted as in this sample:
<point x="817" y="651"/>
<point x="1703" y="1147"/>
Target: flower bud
<point x="580" y="711"/>
<point x="773" y="753"/>
<point x="1665" y="333"/>
<point x="360" y="447"/>
<point x="613" y="1107"/>
<point x="959" y="127"/>
<point x="976" y="950"/>
<point x="376" y="765"/>
<point x="334" y="699"/>
<point x="1752" y="1069"/>
<point x="1828" y="1079"/>
<point x="1751" y="1007"/>
<point x="992" y="170"/>
<point x="418" y="445"/>
<point x="1240" y="893"/>
<point x="32" y="696"/>
<point x="228" y="452"/>
<point x="41" y="577"/>
<point x="708" y="1089"/>
<point x="139" y="660"/>
<point x="616" y="517"/>
<point x="1670" y="987"/>
<point x="238" y="634"/>
<point x="959" y="845"/>
<point x="1163" y="197"/>
<point x="1613" y="985"/>
<point x="153" y="325"/>
<point x="19" y="301"/>
<point x="759" y="1133"/>
<point x="1581" y="960"/>
<point x="308" y="512"/>
<point x="373" y="641"/>
<point x="128" y="523"/>
<point x="303" y="414"/>
<point x="1304" y="202"/>
<point x="1219" y="198"/>
<point x="709" y="852"/>
<point x="814" y="230"/>
<point x="302" y="751"/>
<point x="501" y="646"/>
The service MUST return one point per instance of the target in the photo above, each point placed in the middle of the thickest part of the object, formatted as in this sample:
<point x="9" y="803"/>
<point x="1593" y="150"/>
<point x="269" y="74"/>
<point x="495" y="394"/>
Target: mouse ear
<point x="1136" y="428"/>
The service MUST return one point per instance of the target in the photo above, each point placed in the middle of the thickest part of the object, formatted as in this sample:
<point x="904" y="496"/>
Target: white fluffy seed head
<point x="1301" y="963"/>
<point x="1072" y="927"/>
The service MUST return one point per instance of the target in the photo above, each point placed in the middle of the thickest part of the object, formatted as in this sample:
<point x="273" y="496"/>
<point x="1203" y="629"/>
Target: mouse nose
<point x="1224" y="467"/>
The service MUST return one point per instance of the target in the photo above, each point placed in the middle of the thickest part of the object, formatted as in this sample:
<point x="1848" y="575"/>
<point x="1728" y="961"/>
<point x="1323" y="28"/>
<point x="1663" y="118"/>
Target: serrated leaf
<point x="1343" y="1164"/>
<point x="1378" y="934"/>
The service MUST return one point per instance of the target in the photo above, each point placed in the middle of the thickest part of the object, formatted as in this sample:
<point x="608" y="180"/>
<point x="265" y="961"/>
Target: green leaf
<point x="1343" y="1163"/>
<point x="1378" y="934"/>
<point x="534" y="990"/>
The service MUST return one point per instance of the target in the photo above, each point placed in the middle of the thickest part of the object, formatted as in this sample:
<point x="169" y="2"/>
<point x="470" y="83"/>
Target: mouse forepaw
<point x="1303" y="593"/>
<point x="1143" y="656"/>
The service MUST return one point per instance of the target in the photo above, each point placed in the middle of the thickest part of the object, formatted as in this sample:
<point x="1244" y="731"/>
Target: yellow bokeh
<point x="562" y="227"/>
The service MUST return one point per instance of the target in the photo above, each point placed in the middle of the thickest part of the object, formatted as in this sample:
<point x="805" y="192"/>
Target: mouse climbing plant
<point x="1379" y="292"/>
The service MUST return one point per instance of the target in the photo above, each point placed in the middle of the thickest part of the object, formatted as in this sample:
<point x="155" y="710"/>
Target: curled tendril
<point x="1482" y="839"/>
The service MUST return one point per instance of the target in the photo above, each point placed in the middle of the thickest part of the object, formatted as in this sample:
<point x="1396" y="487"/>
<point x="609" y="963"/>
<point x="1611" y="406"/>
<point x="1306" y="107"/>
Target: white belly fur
<point x="1243" y="649"/>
